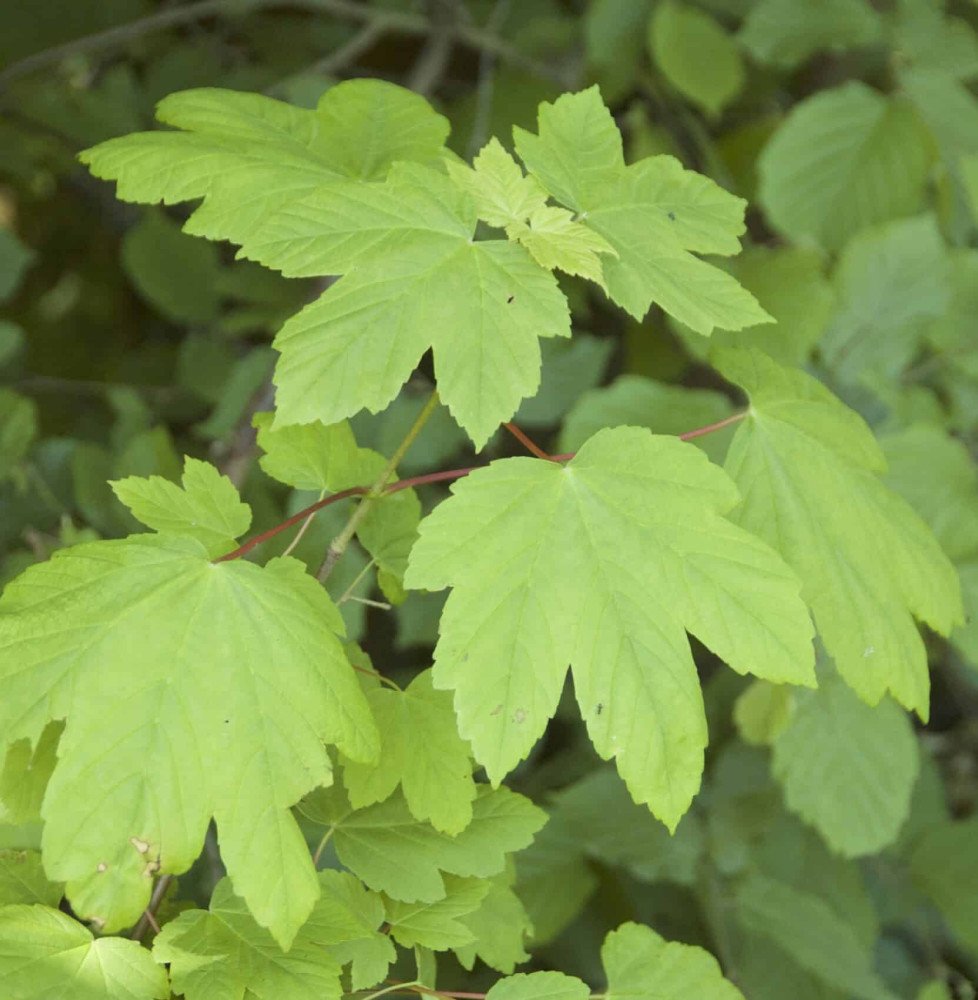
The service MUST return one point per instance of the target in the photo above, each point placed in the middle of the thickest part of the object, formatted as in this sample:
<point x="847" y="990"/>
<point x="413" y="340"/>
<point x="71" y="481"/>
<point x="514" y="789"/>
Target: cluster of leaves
<point x="721" y="645"/>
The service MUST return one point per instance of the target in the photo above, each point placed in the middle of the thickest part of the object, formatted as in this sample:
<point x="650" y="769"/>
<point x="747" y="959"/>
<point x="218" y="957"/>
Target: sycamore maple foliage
<point x="193" y="684"/>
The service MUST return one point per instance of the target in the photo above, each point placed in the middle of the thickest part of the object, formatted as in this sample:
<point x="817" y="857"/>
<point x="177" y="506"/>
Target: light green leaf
<point x="654" y="214"/>
<point x="790" y="283"/>
<point x="25" y="775"/>
<point x="944" y="865"/>
<point x="952" y="333"/>
<point x="554" y="881"/>
<point x="696" y="55"/>
<point x="240" y="681"/>
<point x="369" y="952"/>
<point x="501" y="192"/>
<point x="603" y="564"/>
<point x="420" y="749"/>
<point x="635" y="840"/>
<point x="390" y="527"/>
<point x="539" y="986"/>
<point x="174" y="272"/>
<point x="614" y="42"/>
<point x="763" y="712"/>
<point x="22" y="880"/>
<point x="221" y="952"/>
<point x="892" y="281"/>
<point x="643" y="402"/>
<point x="950" y="112"/>
<point x="785" y="33"/>
<point x="767" y="972"/>
<point x="969" y="173"/>
<point x="642" y="965"/>
<point x="252" y="158"/>
<point x="809" y="468"/>
<point x="843" y="159"/>
<point x="499" y="928"/>
<point x="420" y="281"/>
<point x="394" y="853"/>
<point x="556" y="240"/>
<point x="308" y="456"/>
<point x="370" y="959"/>
<point x="847" y="769"/>
<point x="44" y="953"/>
<point x="921" y="456"/>
<point x="442" y="437"/>
<point x="811" y="933"/>
<point x="570" y="368"/>
<point x="207" y="507"/>
<point x="929" y="40"/>
<point x="438" y="925"/>
<point x="936" y="989"/>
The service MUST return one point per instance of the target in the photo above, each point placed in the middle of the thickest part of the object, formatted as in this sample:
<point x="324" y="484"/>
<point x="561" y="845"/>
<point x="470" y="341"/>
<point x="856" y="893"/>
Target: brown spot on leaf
<point x="101" y="867"/>
<point x="140" y="845"/>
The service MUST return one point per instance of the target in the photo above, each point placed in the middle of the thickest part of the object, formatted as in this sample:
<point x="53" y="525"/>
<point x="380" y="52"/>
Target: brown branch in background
<point x="111" y="37"/>
<point x="430" y="66"/>
<point x="404" y="23"/>
<point x="243" y="447"/>
<point x="486" y="83"/>
<point x="148" y="919"/>
<point x="360" y="43"/>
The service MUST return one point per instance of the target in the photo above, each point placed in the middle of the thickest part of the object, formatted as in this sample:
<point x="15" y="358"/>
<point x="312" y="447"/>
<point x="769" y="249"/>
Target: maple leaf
<point x="809" y="469"/>
<point x="191" y="689"/>
<point x="403" y="857"/>
<point x="250" y="157"/>
<point x="603" y="563"/>
<point x="639" y="964"/>
<point x="221" y="952"/>
<point x="654" y="214"/>
<point x="420" y="750"/>
<point x="207" y="507"/>
<point x="415" y="278"/>
<point x="45" y="953"/>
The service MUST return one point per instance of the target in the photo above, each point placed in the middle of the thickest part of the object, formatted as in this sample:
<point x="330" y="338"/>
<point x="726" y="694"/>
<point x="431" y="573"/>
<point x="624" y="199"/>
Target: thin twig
<point x="361" y="42"/>
<point x="710" y="428"/>
<point x="243" y="550"/>
<point x="113" y="36"/>
<point x="382" y="605"/>
<point x="527" y="443"/>
<point x="445" y="476"/>
<point x="322" y="845"/>
<point x="338" y="545"/>
<point x="298" y="535"/>
<point x="148" y="919"/>
<point x="358" y="579"/>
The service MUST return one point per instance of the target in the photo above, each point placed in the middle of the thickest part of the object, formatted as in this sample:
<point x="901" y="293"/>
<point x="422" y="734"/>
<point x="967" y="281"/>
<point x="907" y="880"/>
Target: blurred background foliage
<point x="851" y="126"/>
